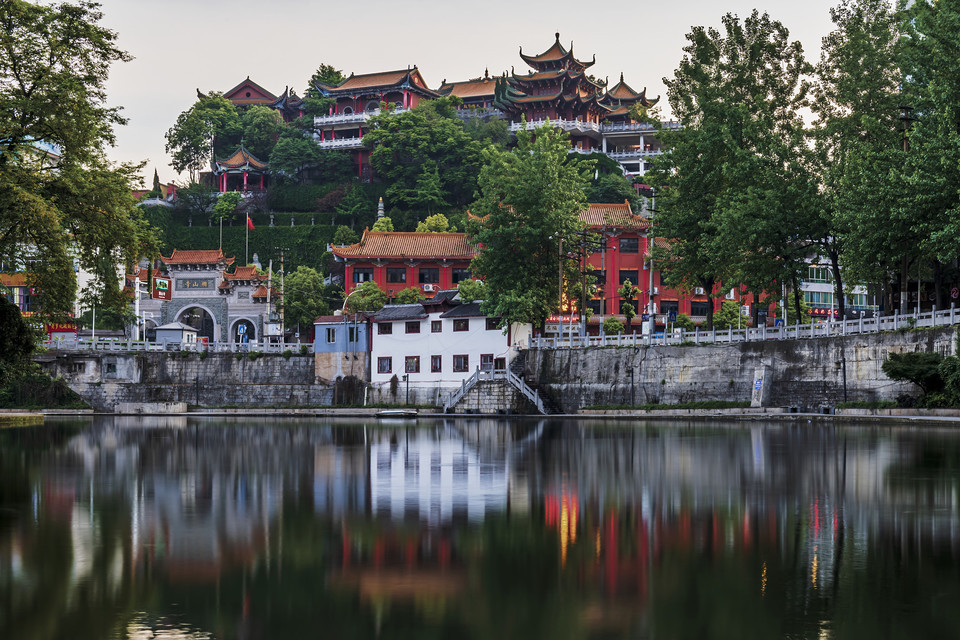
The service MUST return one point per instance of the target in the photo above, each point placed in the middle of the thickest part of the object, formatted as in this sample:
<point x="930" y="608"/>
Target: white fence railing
<point x="97" y="344"/>
<point x="797" y="331"/>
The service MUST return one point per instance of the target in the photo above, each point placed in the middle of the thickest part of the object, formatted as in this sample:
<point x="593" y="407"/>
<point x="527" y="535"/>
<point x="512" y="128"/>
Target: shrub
<point x="239" y="356"/>
<point x="253" y="356"/>
<point x="920" y="368"/>
<point x="287" y="353"/>
<point x="304" y="350"/>
<point x="612" y="326"/>
<point x="204" y="354"/>
<point x="684" y="322"/>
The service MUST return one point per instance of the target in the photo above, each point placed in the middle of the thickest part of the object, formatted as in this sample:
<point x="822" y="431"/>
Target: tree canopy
<point x="210" y="128"/>
<point x="61" y="200"/>
<point x="530" y="198"/>
<point x="303" y="298"/>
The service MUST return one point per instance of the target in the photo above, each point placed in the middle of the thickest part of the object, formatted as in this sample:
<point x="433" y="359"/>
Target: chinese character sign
<point x="161" y="289"/>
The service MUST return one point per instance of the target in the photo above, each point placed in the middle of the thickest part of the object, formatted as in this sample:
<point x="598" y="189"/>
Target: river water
<point x="216" y="528"/>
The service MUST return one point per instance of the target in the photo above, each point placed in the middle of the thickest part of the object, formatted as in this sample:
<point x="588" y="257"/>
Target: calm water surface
<point x="209" y="528"/>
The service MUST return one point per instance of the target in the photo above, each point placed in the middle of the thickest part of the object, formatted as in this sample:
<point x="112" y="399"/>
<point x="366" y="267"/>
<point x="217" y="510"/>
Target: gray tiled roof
<point x="467" y="310"/>
<point x="393" y="312"/>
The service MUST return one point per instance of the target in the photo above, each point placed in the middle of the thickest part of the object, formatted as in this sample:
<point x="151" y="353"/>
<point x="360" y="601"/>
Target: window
<point x="461" y="324"/>
<point x="436" y="326"/>
<point x="331" y="335"/>
<point x="632" y="276"/>
<point x="384" y="328"/>
<point x="363" y="274"/>
<point x="396" y="274"/>
<point x="492" y="324"/>
<point x="500" y="364"/>
<point x="429" y="275"/>
<point x="817" y="273"/>
<point x="699" y="308"/>
<point x="461" y="363"/>
<point x="818" y="297"/>
<point x="629" y="245"/>
<point x="413" y="326"/>
<point x="111" y="367"/>
<point x="384" y="365"/>
<point x="352" y="334"/>
<point x="412" y="364"/>
<point x="486" y="361"/>
<point x="436" y="364"/>
<point x="461" y="274"/>
<point x="669" y="306"/>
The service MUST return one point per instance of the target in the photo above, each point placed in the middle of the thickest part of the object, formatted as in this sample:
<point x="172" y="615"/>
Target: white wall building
<point x="439" y="342"/>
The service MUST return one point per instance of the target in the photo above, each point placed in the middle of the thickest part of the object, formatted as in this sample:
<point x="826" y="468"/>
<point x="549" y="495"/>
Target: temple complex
<point x="242" y="171"/>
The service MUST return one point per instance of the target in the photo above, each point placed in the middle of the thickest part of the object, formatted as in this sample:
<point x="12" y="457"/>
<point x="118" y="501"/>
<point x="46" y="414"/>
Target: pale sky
<point x="181" y="45"/>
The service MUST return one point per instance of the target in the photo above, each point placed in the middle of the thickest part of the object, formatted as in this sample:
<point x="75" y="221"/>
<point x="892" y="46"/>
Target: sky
<point x="180" y="46"/>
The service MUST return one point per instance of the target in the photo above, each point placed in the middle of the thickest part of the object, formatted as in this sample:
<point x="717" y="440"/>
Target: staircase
<point x="545" y="404"/>
<point x="513" y="375"/>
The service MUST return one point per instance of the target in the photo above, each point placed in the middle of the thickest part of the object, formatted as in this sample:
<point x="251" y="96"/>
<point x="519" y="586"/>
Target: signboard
<point x="161" y="289"/>
<point x="186" y="284"/>
<point x="758" y="384"/>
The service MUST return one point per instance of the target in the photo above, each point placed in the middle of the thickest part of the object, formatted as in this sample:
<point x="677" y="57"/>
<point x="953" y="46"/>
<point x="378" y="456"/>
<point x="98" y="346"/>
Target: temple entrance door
<point x="199" y="319"/>
<point x="244" y="332"/>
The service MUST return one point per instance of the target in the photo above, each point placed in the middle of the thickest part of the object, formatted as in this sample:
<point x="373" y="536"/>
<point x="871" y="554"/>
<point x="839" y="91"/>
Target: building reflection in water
<point x="645" y="529"/>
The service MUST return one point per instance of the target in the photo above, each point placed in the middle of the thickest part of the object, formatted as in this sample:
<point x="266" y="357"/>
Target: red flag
<point x="250" y="223"/>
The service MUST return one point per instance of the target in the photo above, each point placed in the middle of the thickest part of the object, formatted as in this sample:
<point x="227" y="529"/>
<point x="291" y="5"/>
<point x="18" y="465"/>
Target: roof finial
<point x="621" y="76"/>
<point x="380" y="208"/>
<point x="557" y="34"/>
<point x="486" y="73"/>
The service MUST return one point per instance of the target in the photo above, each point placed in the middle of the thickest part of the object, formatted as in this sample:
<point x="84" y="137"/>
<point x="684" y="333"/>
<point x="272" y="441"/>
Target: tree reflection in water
<point x="206" y="528"/>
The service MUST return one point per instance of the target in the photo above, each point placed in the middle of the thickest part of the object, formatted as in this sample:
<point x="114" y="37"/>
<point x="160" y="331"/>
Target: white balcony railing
<point x="341" y="143"/>
<point x="349" y="118"/>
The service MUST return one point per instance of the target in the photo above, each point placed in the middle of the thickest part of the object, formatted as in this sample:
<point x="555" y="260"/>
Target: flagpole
<point x="246" y="256"/>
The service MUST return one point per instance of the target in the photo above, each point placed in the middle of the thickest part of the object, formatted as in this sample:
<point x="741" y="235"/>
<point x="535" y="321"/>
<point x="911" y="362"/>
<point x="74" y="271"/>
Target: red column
<point x="333" y="134"/>
<point x="244" y="180"/>
<point x="261" y="182"/>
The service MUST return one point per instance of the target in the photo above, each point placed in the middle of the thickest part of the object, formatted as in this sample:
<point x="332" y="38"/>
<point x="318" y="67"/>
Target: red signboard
<point x="55" y="327"/>
<point x="162" y="289"/>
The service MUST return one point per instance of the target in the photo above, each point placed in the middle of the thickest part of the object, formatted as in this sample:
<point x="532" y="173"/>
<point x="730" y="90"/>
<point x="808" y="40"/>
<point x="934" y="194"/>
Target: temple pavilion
<point x="241" y="171"/>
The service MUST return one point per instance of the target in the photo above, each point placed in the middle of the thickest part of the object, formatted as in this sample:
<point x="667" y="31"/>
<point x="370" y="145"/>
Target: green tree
<point x="261" y="129"/>
<point x="195" y="199"/>
<point x="60" y="198"/>
<point x="17" y="341"/>
<point x="612" y="326"/>
<point x="491" y="131"/>
<point x="930" y="181"/>
<point x="382" y="224"/>
<point x="684" y="322"/>
<point x="471" y="290"/>
<point x="920" y="368"/>
<point x="613" y="188"/>
<point x="366" y="297"/>
<point x="314" y="104"/>
<point x="227" y="205"/>
<point x="292" y="157"/>
<point x="210" y="128"/>
<point x="437" y="223"/>
<point x="425" y="155"/>
<point x="730" y="315"/>
<point x="855" y="134"/>
<point x="531" y="199"/>
<point x="303" y="298"/>
<point x="734" y="193"/>
<point x="357" y="204"/>
<point x="628" y="293"/>
<point x="344" y="235"/>
<point x="409" y="295"/>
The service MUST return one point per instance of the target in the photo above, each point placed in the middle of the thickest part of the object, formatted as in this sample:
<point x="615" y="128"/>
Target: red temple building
<point x="242" y="171"/>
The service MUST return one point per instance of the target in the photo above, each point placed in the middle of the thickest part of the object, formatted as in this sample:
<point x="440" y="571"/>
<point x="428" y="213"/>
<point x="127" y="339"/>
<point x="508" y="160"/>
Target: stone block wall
<point x="803" y="373"/>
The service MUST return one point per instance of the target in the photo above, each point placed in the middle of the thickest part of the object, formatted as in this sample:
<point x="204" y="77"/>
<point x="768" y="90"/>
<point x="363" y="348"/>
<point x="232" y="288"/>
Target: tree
<point x="303" y="298"/>
<point x="366" y="297"/>
<point x="612" y="326"/>
<point x="227" y="205"/>
<point x="425" y="155"/>
<point x="437" y="223"/>
<point x="195" y="199"/>
<point x="409" y="295"/>
<point x="920" y="368"/>
<point x="684" y="322"/>
<point x="291" y="157"/>
<point x="613" y="188"/>
<point x="210" y="128"/>
<point x="531" y="199"/>
<point x="382" y="224"/>
<point x="628" y="294"/>
<point x="855" y="135"/>
<point x="314" y="104"/>
<point x="734" y="193"/>
<point x="730" y="315"/>
<point x="17" y="341"/>
<point x="344" y="235"/>
<point x="261" y="129"/>
<point x="471" y="290"/>
<point x="60" y="199"/>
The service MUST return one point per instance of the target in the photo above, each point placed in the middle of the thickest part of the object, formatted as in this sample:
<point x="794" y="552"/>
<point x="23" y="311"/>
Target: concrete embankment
<point x="805" y="374"/>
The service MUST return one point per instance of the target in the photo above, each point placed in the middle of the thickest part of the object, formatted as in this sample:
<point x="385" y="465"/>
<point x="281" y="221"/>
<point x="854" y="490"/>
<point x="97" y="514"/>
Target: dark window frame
<point x="461" y="324"/>
<point x="411" y="360"/>
<point x="385" y="360"/>
<point x="436" y="326"/>
<point x="463" y="365"/>
<point x="412" y="326"/>
<point x="393" y="272"/>
<point x="428" y="275"/>
<point x="384" y="328"/>
<point x="629" y="245"/>
<point x="436" y="364"/>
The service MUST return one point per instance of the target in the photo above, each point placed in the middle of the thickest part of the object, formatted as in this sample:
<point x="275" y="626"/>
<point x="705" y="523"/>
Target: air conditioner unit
<point x="656" y="291"/>
<point x="429" y="287"/>
<point x="698" y="291"/>
<point x="731" y="295"/>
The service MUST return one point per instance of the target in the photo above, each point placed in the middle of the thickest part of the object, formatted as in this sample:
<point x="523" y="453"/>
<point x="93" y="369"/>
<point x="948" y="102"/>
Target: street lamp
<point x="406" y="379"/>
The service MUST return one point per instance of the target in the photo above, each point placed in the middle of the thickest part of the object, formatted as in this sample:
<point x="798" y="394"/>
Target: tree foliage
<point x="426" y="156"/>
<point x="210" y="128"/>
<point x="734" y="190"/>
<point x="531" y="198"/>
<point x="303" y="298"/>
<point x="382" y="224"/>
<point x="920" y="368"/>
<point x="437" y="223"/>
<point x="409" y="295"/>
<point x="471" y="290"/>
<point x="60" y="198"/>
<point x="17" y="340"/>
<point x="366" y="297"/>
<point x="262" y="127"/>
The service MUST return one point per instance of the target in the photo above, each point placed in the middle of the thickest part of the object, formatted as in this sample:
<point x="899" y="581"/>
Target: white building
<point x="439" y="342"/>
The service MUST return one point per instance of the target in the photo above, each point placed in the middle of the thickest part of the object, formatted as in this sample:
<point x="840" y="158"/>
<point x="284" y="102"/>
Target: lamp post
<point x="406" y="379"/>
<point x="632" y="400"/>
